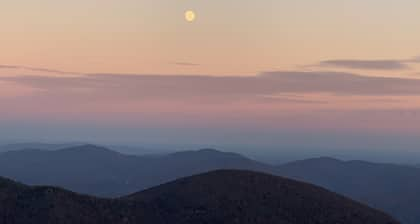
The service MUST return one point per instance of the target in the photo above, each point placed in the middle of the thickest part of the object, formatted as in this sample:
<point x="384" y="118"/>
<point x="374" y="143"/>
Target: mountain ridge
<point x="222" y="196"/>
<point x="388" y="187"/>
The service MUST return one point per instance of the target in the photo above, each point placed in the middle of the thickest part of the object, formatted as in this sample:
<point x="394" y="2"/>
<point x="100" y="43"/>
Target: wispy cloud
<point x="8" y="67"/>
<point x="290" y="100"/>
<point x="37" y="69"/>
<point x="180" y="87"/>
<point x="391" y="64"/>
<point x="366" y="64"/>
<point x="186" y="64"/>
<point x="415" y="59"/>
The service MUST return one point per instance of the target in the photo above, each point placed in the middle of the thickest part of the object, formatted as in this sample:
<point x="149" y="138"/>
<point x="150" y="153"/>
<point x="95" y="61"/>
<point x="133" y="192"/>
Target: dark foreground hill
<point x="217" y="197"/>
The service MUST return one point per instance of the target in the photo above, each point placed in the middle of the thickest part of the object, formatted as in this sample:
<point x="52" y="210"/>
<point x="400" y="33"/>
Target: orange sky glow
<point x="323" y="64"/>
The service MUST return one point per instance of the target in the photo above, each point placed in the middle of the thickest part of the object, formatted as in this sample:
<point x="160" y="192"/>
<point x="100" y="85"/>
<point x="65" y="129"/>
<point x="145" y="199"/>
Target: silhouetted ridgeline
<point x="217" y="197"/>
<point x="98" y="171"/>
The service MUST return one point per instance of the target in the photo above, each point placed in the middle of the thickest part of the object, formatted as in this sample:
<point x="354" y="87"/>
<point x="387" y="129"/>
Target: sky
<point x="289" y="73"/>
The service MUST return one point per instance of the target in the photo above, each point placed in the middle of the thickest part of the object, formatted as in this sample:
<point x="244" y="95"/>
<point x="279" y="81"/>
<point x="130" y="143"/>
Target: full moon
<point x="190" y="16"/>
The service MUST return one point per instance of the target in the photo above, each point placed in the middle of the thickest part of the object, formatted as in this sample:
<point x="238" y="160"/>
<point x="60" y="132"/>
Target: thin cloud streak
<point x="366" y="64"/>
<point x="186" y="64"/>
<point x="37" y="69"/>
<point x="289" y="100"/>
<point x="391" y="64"/>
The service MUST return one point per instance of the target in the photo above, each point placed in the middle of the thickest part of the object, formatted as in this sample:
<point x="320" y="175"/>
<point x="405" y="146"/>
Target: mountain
<point x="218" y="197"/>
<point x="392" y="188"/>
<point x="21" y="204"/>
<point x="101" y="172"/>
<point x="35" y="145"/>
<point x="98" y="171"/>
<point x="84" y="169"/>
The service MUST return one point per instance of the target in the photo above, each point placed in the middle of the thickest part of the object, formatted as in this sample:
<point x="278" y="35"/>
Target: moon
<point x="190" y="16"/>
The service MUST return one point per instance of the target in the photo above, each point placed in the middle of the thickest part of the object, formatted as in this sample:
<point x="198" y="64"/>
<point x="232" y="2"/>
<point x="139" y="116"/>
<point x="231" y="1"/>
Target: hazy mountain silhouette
<point x="392" y="188"/>
<point x="35" y="145"/>
<point x="98" y="171"/>
<point x="217" y="197"/>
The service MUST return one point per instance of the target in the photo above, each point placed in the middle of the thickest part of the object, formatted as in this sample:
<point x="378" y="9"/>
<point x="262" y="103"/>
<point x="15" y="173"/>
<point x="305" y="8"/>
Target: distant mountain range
<point x="35" y="145"/>
<point x="392" y="188"/>
<point x="131" y="150"/>
<point x="218" y="197"/>
<point x="99" y="171"/>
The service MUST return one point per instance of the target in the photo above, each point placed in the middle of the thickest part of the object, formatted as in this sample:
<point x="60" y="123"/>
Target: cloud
<point x="415" y="59"/>
<point x="369" y="64"/>
<point x="37" y="69"/>
<point x="186" y="64"/>
<point x="212" y="88"/>
<point x="290" y="100"/>
<point x="8" y="67"/>
<point x="366" y="64"/>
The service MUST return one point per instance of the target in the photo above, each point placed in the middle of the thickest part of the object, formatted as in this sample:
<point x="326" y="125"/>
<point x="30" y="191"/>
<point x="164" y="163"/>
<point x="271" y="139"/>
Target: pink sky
<point x="322" y="66"/>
